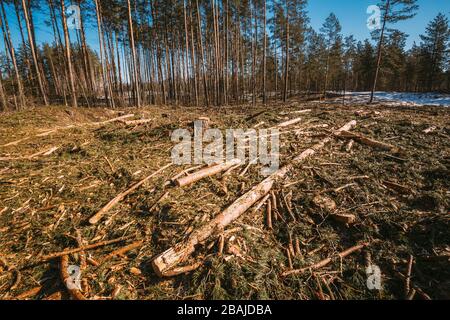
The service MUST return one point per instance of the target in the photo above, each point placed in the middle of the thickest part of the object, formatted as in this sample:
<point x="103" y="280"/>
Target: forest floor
<point x="60" y="166"/>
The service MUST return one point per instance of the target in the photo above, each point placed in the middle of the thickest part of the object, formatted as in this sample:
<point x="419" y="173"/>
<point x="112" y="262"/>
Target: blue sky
<point x="351" y="13"/>
<point x="353" y="17"/>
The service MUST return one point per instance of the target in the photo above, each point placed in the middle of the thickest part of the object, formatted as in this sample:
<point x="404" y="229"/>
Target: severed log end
<point x="344" y="218"/>
<point x="164" y="262"/>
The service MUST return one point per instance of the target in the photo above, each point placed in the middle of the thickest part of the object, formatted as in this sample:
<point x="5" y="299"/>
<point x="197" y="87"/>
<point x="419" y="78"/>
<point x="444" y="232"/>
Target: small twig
<point x="123" y="250"/>
<point x="29" y="293"/>
<point x="109" y="163"/>
<point x="83" y="248"/>
<point x="96" y="218"/>
<point x="288" y="252"/>
<point x="326" y="261"/>
<point x="269" y="215"/>
<point x="408" y="276"/>
<point x="221" y="244"/>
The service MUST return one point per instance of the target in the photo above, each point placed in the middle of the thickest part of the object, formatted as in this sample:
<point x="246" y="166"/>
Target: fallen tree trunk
<point x="96" y="218"/>
<point x="370" y="142"/>
<point x="137" y="122"/>
<point x="288" y="123"/>
<point x="206" y="172"/>
<point x="167" y="260"/>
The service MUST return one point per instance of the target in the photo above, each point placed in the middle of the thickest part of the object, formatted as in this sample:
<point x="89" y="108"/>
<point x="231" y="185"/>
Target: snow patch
<point x="399" y="98"/>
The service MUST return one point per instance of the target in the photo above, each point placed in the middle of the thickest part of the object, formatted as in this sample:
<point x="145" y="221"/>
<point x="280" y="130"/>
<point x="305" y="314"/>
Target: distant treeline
<point x="207" y="52"/>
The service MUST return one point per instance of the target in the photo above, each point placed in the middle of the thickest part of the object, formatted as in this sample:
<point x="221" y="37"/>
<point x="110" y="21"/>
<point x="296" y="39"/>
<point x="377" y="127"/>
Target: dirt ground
<point x="400" y="202"/>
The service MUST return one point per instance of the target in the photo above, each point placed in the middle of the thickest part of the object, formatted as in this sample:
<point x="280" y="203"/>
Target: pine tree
<point x="393" y="11"/>
<point x="331" y="31"/>
<point x="393" y="69"/>
<point x="434" y="45"/>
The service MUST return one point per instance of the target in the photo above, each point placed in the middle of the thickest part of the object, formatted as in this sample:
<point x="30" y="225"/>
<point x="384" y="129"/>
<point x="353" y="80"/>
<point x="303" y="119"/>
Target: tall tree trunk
<point x="380" y="50"/>
<point x="33" y="52"/>
<point x="193" y="58"/>
<point x="119" y="67"/>
<point x="254" y="40"/>
<point x="286" y="63"/>
<point x="86" y="58"/>
<point x="12" y="54"/>
<point x="109" y="99"/>
<point x="3" y="105"/>
<point x="22" y="37"/>
<point x="264" y="55"/>
<point x="134" y="60"/>
<point x="68" y="55"/>
<point x="186" y="36"/>
<point x="226" y="71"/>
<point x="202" y="54"/>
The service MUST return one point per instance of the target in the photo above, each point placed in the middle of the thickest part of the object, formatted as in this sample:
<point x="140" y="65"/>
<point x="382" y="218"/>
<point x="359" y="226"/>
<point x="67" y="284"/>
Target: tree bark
<point x="133" y="52"/>
<point x="286" y="63"/>
<point x="380" y="51"/>
<point x="264" y="55"/>
<point x="68" y="56"/>
<point x="33" y="52"/>
<point x="10" y="47"/>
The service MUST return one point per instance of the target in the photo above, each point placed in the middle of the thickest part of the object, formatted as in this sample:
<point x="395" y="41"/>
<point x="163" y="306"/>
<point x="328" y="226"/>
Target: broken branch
<point x="96" y="218"/>
<point x="326" y="261"/>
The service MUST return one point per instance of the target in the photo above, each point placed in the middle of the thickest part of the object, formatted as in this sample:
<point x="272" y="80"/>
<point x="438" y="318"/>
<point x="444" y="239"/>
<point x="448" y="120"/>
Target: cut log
<point x="349" y="145"/>
<point x="96" y="218"/>
<point x="296" y="112"/>
<point x="288" y="123"/>
<point x="344" y="218"/>
<point x="181" y="251"/>
<point x="206" y="172"/>
<point x="370" y="142"/>
<point x="182" y="270"/>
<point x="325" y="203"/>
<point x="429" y="130"/>
<point x="137" y="122"/>
<point x="100" y="123"/>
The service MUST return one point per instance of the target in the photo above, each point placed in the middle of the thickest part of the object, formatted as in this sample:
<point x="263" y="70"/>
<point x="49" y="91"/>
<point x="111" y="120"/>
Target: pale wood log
<point x="181" y="251"/>
<point x="370" y="142"/>
<point x="206" y="172"/>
